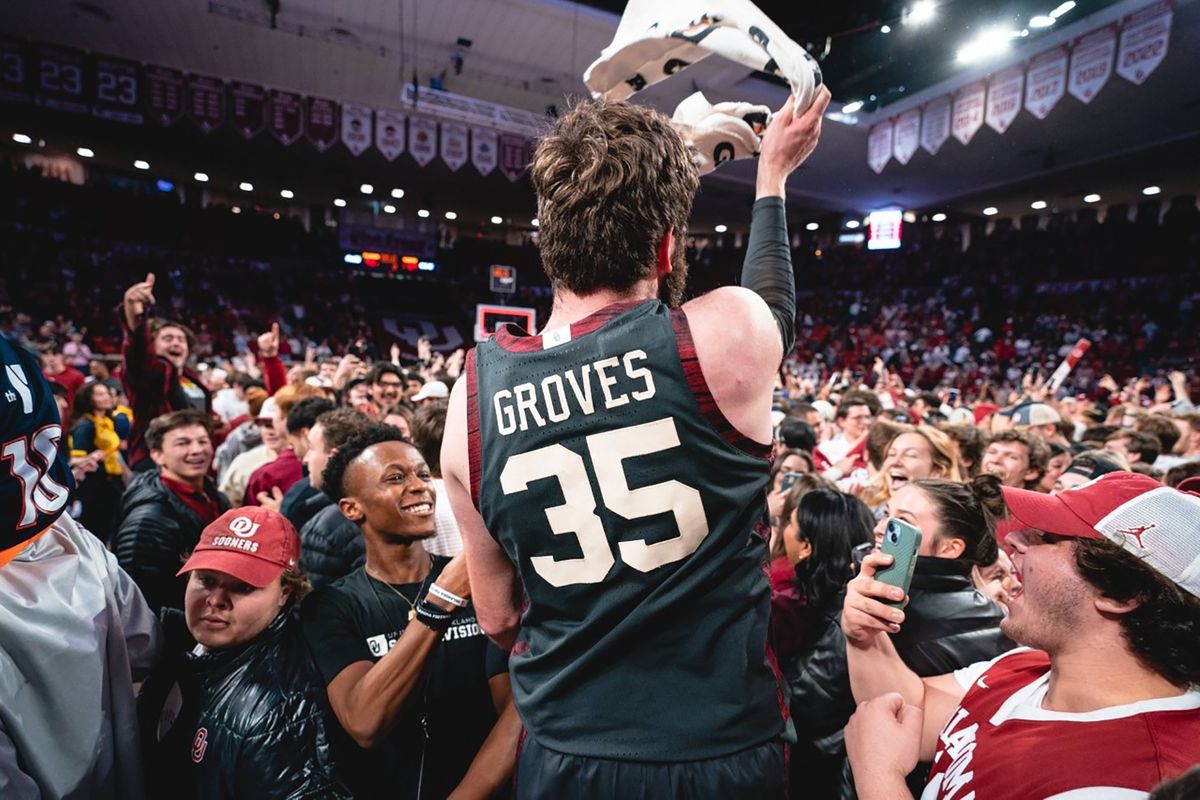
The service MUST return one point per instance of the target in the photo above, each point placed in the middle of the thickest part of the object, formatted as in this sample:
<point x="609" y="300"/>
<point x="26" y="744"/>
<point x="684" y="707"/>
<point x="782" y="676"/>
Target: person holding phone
<point x="1102" y="701"/>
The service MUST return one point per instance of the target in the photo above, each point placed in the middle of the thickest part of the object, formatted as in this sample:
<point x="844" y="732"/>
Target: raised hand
<point x="137" y="297"/>
<point x="268" y="343"/>
<point x="272" y="500"/>
<point x="789" y="140"/>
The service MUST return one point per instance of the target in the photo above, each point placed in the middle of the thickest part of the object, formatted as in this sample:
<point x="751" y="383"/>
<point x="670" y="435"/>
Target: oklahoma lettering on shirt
<point x="1001" y="743"/>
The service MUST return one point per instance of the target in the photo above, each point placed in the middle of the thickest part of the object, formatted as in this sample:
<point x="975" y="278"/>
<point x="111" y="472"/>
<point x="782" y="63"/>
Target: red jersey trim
<point x="699" y="386"/>
<point x="516" y="340"/>
<point x="474" y="443"/>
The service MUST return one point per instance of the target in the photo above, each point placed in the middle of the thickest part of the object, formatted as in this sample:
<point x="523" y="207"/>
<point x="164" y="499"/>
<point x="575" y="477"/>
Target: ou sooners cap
<point x="1156" y="523"/>
<point x="253" y="544"/>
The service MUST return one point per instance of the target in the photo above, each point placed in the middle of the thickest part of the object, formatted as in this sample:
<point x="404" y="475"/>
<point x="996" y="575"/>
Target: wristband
<point x="433" y="617"/>
<point x="448" y="596"/>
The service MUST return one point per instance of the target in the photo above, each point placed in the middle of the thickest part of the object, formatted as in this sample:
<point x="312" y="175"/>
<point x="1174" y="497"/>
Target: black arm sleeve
<point x="768" y="267"/>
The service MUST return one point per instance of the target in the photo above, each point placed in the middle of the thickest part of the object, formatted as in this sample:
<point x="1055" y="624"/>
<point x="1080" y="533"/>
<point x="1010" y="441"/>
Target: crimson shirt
<point x="197" y="500"/>
<point x="282" y="472"/>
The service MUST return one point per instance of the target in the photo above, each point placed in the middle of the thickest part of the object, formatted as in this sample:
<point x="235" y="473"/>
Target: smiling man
<point x="1103" y="700"/>
<point x="422" y="693"/>
<point x="1017" y="458"/>
<point x="154" y="368"/>
<point x="164" y="511"/>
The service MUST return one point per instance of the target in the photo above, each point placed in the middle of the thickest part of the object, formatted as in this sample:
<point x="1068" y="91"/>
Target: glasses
<point x="396" y="384"/>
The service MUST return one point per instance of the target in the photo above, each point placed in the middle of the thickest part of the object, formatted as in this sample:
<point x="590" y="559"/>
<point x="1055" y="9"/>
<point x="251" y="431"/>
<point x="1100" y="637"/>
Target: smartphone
<point x="789" y="480"/>
<point x="901" y="541"/>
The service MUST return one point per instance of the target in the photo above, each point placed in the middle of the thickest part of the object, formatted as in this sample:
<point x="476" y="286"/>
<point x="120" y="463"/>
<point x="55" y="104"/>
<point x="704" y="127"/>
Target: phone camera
<point x="893" y="536"/>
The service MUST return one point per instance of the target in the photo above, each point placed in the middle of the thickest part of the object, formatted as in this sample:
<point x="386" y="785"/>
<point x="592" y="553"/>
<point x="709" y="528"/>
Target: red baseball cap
<point x="983" y="411"/>
<point x="1156" y="523"/>
<point x="253" y="544"/>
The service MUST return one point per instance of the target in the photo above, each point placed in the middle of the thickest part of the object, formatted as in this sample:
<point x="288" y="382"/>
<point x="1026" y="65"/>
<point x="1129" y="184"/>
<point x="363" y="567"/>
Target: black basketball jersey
<point x="635" y="515"/>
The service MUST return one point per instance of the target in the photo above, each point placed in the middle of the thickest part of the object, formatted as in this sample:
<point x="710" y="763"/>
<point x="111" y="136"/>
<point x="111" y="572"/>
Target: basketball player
<point x="611" y="470"/>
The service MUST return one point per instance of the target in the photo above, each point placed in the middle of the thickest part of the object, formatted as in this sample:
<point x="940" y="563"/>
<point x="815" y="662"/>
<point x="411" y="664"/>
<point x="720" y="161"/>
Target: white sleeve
<point x="14" y="784"/>
<point x="143" y="636"/>
<point x="967" y="676"/>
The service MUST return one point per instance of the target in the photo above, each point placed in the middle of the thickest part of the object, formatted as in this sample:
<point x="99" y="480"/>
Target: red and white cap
<point x="253" y="544"/>
<point x="1156" y="523"/>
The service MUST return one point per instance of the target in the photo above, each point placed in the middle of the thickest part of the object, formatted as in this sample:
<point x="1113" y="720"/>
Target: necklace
<point x="412" y="604"/>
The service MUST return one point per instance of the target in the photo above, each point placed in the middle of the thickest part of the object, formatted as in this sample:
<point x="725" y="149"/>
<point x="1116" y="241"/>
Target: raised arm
<point x="874" y="665"/>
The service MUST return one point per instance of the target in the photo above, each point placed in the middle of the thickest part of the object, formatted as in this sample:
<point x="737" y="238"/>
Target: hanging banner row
<point x="120" y="90"/>
<point x="1080" y="70"/>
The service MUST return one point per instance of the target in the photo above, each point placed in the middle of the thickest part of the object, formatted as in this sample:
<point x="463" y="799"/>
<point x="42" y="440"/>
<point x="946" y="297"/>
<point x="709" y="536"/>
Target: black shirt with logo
<point x="359" y="618"/>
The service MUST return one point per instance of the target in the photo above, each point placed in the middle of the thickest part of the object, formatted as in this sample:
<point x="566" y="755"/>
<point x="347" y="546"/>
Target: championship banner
<point x="285" y="116"/>
<point x="1004" y="99"/>
<point x="422" y="139"/>
<point x="356" y="128"/>
<point x="164" y="94"/>
<point x="483" y="149"/>
<point x="58" y="79"/>
<point x="1046" y="82"/>
<point x="454" y="145"/>
<point x="512" y="156"/>
<point x="907" y="137"/>
<point x="14" y="71"/>
<point x="321" y="122"/>
<point x="206" y="102"/>
<point x="968" y="113"/>
<point x="935" y="125"/>
<point x="1068" y="364"/>
<point x="389" y="133"/>
<point x="116" y="89"/>
<point x="879" y="146"/>
<point x="248" y="108"/>
<point x="1144" y="41"/>
<point x="1091" y="64"/>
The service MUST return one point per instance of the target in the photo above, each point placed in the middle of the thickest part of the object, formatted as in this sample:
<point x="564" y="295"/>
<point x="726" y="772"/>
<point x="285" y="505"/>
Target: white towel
<point x="654" y="40"/>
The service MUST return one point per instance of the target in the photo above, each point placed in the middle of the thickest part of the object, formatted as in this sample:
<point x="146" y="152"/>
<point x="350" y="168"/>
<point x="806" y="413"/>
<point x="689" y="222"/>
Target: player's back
<point x="635" y="515"/>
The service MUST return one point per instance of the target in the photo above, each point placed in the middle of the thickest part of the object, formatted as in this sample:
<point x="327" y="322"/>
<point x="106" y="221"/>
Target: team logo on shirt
<point x="199" y="745"/>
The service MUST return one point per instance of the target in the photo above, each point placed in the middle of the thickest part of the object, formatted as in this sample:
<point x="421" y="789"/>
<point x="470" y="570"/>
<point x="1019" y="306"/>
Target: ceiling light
<point x="852" y="223"/>
<point x="1091" y="198"/>
<point x="1063" y="9"/>
<point x="1041" y="21"/>
<point x="389" y="209"/>
<point x="938" y="217"/>
<point x="1150" y="191"/>
<point x="910" y="217"/>
<point x="497" y="220"/>
<point x="246" y="186"/>
<point x="85" y="152"/>
<point x="922" y="12"/>
<point x="286" y="194"/>
<point x="989" y="43"/>
<point x="885" y="29"/>
<point x="140" y="164"/>
<point x="852" y="107"/>
<point x="275" y="215"/>
<point x="423" y="213"/>
<point x="991" y="211"/>
<point x="451" y="215"/>
<point x="812" y="226"/>
<point x="720" y="228"/>
<point x="339" y="202"/>
<point x="366" y="188"/>
<point x="236" y="210"/>
<point x="534" y="222"/>
<point x="202" y="177"/>
<point x="1038" y="205"/>
<point x="22" y="138"/>
<point x="398" y="194"/>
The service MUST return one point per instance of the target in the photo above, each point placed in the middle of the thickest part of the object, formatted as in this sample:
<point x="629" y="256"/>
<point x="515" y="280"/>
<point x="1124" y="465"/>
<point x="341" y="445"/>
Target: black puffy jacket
<point x="332" y="547"/>
<point x="948" y="624"/>
<point x="157" y="530"/>
<point x="247" y="723"/>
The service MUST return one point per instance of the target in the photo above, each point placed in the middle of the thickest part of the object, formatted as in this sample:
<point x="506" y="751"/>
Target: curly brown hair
<point x="612" y="178"/>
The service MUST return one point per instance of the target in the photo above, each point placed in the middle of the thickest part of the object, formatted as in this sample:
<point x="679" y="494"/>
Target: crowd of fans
<point x="197" y="412"/>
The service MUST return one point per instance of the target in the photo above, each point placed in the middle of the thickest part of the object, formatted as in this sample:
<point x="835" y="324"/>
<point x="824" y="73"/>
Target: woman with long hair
<point x="98" y="429"/>
<point x="915" y="454"/>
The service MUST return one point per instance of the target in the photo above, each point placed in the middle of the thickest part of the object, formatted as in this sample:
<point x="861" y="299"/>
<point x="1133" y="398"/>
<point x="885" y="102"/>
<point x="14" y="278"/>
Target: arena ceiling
<point x="531" y="54"/>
